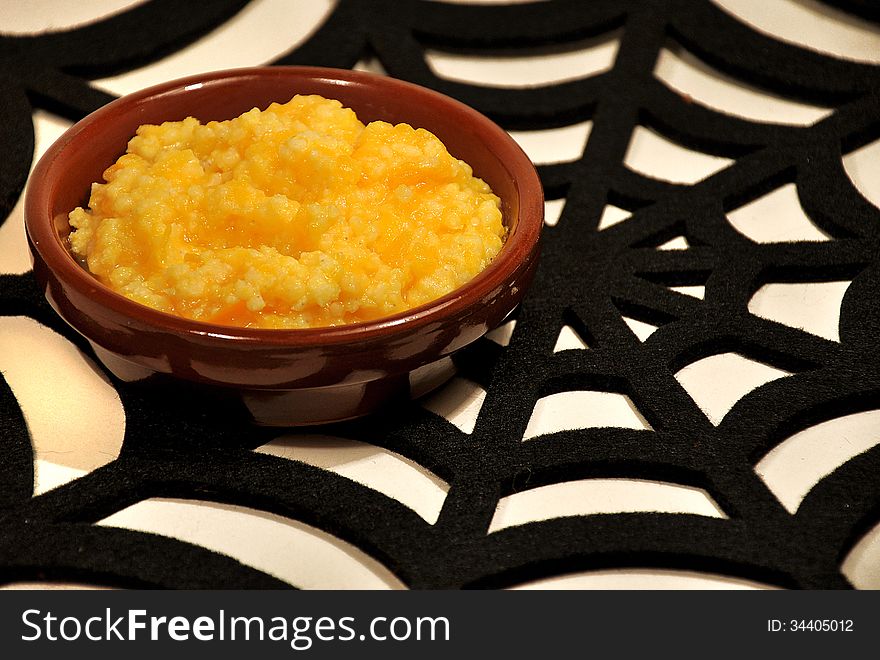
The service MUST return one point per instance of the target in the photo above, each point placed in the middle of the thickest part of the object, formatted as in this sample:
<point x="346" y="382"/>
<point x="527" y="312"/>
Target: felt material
<point x="184" y="443"/>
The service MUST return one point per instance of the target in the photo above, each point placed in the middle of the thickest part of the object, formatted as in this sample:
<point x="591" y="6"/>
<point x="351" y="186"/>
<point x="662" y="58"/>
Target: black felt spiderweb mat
<point x="587" y="280"/>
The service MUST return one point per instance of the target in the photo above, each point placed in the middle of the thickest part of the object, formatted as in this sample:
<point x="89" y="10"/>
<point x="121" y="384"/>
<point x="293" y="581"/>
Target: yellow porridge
<point x="294" y="216"/>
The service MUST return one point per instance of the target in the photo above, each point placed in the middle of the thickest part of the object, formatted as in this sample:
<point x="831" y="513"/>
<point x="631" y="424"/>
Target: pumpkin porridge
<point x="290" y="217"/>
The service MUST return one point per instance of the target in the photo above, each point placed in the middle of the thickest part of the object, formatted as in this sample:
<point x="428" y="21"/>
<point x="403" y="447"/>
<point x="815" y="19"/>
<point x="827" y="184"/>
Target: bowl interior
<point x="99" y="140"/>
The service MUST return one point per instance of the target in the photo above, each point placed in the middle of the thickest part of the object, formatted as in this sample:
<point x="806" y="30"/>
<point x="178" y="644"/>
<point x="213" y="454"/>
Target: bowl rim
<point x="520" y="242"/>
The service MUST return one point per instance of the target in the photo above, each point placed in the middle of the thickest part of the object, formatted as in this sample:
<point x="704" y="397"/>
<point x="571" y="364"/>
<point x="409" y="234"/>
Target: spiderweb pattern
<point x="180" y="444"/>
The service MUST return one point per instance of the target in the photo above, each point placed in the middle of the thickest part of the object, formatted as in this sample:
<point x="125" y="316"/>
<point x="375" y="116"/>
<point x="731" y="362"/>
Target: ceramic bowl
<point x="284" y="377"/>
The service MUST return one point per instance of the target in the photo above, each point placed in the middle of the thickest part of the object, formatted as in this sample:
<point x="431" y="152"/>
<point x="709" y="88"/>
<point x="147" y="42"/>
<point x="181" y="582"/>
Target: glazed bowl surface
<point x="283" y="377"/>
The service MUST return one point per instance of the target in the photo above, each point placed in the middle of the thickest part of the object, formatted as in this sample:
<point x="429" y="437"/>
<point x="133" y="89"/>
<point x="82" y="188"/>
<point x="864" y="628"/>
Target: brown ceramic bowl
<point x="284" y="377"/>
